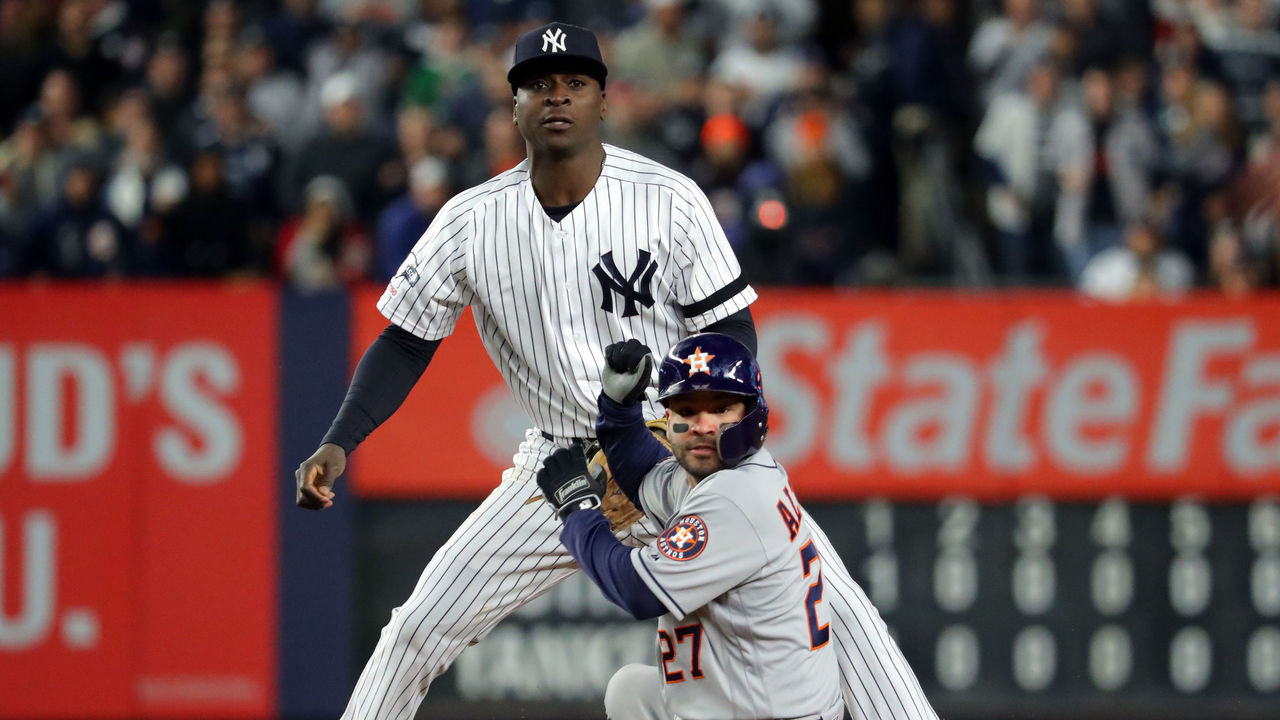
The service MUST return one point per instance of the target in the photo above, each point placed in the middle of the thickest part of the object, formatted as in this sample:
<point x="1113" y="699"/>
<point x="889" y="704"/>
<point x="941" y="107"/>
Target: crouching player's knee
<point x="634" y="694"/>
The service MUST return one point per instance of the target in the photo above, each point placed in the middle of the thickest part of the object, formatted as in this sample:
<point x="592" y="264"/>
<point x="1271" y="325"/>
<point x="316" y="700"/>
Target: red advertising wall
<point x="922" y="395"/>
<point x="137" y="510"/>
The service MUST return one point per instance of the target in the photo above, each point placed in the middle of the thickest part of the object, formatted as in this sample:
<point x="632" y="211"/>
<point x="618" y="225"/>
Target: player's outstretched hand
<point x="567" y="484"/>
<point x="628" y="369"/>
<point x="317" y="474"/>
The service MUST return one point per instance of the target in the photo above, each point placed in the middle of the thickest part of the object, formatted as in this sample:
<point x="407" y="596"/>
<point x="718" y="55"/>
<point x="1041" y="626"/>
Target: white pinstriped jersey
<point x="642" y="256"/>
<point x="747" y="631"/>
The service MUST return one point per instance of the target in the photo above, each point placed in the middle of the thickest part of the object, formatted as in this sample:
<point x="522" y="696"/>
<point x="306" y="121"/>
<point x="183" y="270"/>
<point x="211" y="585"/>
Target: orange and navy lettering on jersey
<point x="790" y="511"/>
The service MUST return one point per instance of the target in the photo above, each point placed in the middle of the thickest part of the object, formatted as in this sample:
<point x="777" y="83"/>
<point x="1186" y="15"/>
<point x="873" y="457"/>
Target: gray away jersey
<point x="746" y="635"/>
<point x="642" y="257"/>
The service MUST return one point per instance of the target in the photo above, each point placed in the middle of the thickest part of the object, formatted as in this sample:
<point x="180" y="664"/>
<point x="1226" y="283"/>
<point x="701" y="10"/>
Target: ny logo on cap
<point x="553" y="37"/>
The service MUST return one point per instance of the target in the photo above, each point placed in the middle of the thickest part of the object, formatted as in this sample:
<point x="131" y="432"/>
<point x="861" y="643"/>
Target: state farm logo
<point x="1188" y="398"/>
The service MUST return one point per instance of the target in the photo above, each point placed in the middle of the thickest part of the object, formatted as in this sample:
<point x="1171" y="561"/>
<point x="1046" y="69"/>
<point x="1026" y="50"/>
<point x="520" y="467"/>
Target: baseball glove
<point x="615" y="505"/>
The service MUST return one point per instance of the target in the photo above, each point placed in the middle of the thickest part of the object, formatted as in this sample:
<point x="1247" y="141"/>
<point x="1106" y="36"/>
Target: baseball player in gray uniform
<point x="580" y="246"/>
<point x="735" y="575"/>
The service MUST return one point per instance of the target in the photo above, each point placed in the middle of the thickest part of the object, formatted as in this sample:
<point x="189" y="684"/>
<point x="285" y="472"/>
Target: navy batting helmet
<point x="711" y="361"/>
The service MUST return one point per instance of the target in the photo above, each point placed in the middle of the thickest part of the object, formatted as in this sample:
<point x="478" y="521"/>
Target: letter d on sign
<point x="49" y="366"/>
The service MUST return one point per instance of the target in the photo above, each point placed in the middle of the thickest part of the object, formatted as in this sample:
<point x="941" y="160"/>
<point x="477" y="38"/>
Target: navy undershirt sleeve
<point x="387" y="371"/>
<point x="607" y="562"/>
<point x="628" y="445"/>
<point x="740" y="326"/>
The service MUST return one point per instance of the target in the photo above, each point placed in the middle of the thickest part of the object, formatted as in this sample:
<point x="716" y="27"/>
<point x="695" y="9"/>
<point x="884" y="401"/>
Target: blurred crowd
<point x="1124" y="147"/>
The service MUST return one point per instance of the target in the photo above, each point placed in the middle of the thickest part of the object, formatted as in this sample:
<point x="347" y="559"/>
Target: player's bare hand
<point x="628" y="370"/>
<point x="317" y="474"/>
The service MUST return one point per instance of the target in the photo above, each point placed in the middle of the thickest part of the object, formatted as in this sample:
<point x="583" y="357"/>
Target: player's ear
<point x="603" y="104"/>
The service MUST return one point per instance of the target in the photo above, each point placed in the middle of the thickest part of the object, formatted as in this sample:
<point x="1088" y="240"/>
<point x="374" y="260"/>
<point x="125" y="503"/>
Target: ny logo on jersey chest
<point x="633" y="288"/>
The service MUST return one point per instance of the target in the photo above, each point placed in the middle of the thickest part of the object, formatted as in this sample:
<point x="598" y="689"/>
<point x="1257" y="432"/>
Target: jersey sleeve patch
<point x="685" y="539"/>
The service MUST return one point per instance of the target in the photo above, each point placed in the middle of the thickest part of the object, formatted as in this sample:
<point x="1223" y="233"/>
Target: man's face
<point x="1143" y="241"/>
<point x="344" y="117"/>
<point x="704" y="412"/>
<point x="559" y="111"/>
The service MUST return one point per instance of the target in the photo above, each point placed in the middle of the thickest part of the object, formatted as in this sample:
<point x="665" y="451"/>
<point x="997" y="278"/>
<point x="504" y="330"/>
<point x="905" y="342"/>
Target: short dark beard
<point x="697" y="475"/>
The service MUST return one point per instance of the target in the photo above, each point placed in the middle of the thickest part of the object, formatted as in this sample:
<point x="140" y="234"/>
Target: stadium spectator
<point x="737" y="186"/>
<point x="221" y="21"/>
<point x="167" y="83"/>
<point x="1200" y="163"/>
<point x="69" y="131"/>
<point x="325" y="246"/>
<point x="820" y="147"/>
<point x="1093" y="41"/>
<point x="1013" y="140"/>
<point x="195" y="126"/>
<point x="415" y="127"/>
<point x="362" y="159"/>
<point x="77" y="237"/>
<point x="1140" y="269"/>
<point x="348" y="53"/>
<point x="206" y="234"/>
<point x="406" y="218"/>
<point x="75" y="50"/>
<point x="20" y="47"/>
<point x="291" y="29"/>
<point x="249" y="152"/>
<point x="793" y="20"/>
<point x="1105" y="159"/>
<point x="445" y="69"/>
<point x="274" y="94"/>
<point x="1229" y="269"/>
<point x="759" y="67"/>
<point x="1248" y="47"/>
<point x="1005" y="47"/>
<point x="1255" y="195"/>
<point x="659" y="59"/>
<point x="29" y="174"/>
<point x="143" y="185"/>
<point x="503" y="146"/>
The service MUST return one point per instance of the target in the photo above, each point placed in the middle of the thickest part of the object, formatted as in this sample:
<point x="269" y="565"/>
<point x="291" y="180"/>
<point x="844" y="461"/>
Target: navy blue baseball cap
<point x="558" y="45"/>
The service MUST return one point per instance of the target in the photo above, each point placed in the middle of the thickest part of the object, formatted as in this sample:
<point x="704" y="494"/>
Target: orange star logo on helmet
<point x="699" y="361"/>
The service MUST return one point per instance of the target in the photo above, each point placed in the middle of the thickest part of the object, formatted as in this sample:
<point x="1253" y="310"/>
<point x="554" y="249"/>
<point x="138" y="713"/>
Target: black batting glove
<point x="628" y="369"/>
<point x="567" y="484"/>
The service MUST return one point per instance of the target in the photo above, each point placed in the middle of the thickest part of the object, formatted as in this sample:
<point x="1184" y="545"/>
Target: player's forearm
<point x="608" y="563"/>
<point x="387" y="371"/>
<point x="630" y="448"/>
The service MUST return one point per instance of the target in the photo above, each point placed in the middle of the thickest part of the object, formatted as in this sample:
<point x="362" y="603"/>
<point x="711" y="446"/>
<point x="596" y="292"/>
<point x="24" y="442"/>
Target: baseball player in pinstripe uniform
<point x="580" y="246"/>
<point x="735" y="575"/>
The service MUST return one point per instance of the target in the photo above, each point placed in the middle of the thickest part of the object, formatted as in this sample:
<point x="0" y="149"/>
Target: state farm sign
<point x="999" y="395"/>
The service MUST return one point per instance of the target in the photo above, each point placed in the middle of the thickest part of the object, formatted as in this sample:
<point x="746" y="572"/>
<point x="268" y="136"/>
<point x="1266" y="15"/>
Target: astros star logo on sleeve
<point x="684" y="540"/>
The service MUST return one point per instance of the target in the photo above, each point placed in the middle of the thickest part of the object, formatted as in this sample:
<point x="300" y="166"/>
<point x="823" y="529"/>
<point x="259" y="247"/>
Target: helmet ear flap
<point x="746" y="436"/>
